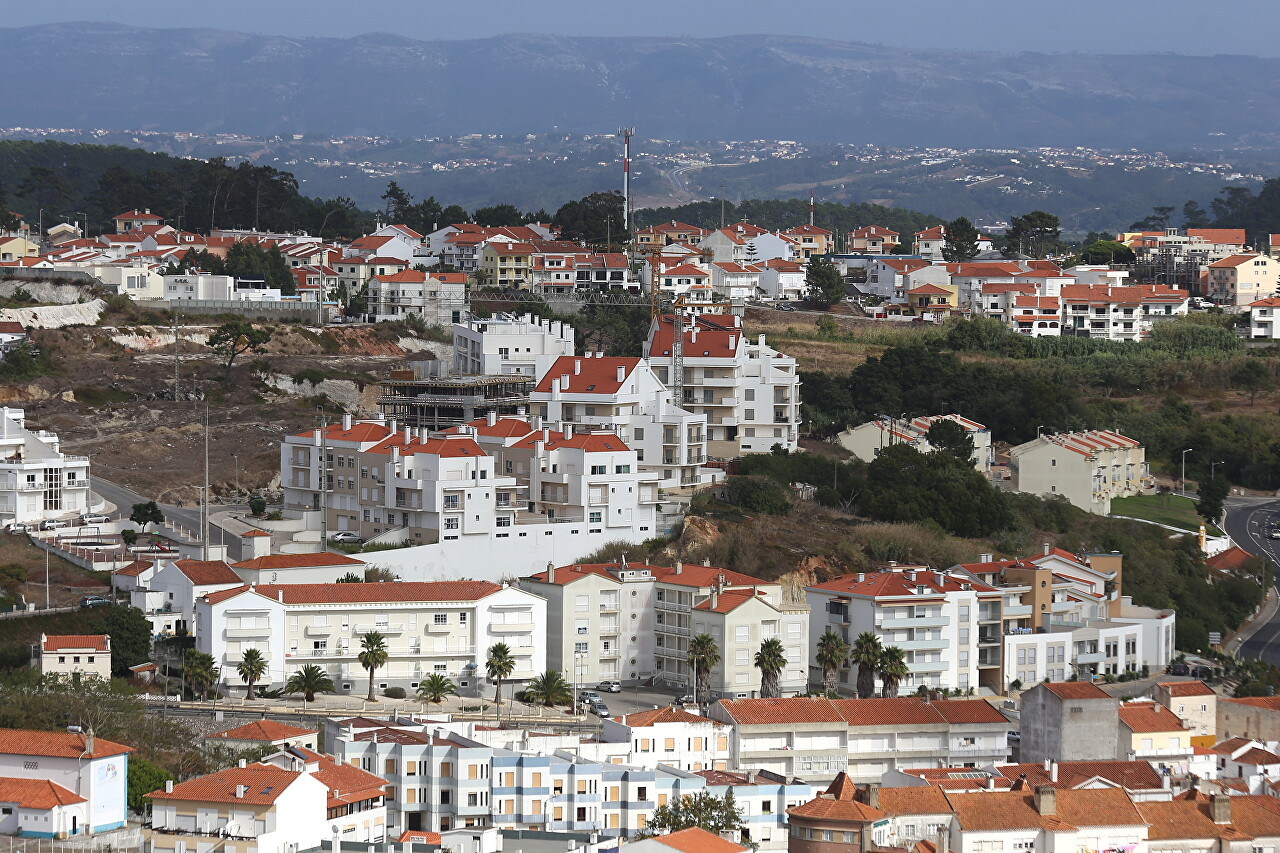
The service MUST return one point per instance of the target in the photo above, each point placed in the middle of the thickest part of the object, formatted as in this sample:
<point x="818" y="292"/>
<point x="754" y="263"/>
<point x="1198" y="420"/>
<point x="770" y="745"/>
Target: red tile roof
<point x="364" y="593"/>
<point x="1224" y="236"/>
<point x="878" y="584"/>
<point x="36" y="793"/>
<point x="298" y="561"/>
<point x="1007" y="810"/>
<point x="642" y="719"/>
<point x="712" y="338"/>
<point x="207" y="572"/>
<point x="1075" y="690"/>
<point x="1233" y="558"/>
<point x="907" y="710"/>
<point x="1235" y="261"/>
<point x="262" y="730"/>
<point x="59" y="642"/>
<point x="420" y="836"/>
<point x="262" y="785"/>
<point x="591" y="442"/>
<point x="55" y="744"/>
<point x="917" y="800"/>
<point x="593" y="376"/>
<point x="838" y="803"/>
<point x="1149" y="717"/>
<point x="1186" y="688"/>
<point x="1130" y="775"/>
<point x="697" y="840"/>
<point x="726" y="602"/>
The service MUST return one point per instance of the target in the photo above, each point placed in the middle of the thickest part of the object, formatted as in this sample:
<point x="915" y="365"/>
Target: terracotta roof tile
<point x="364" y="593"/>
<point x="262" y="784"/>
<point x="1149" y="717"/>
<point x="262" y="730"/>
<point x="1131" y="775"/>
<point x="298" y="561"/>
<point x="698" y="840"/>
<point x="55" y="744"/>
<point x="35" y="793"/>
<point x="1075" y="690"/>
<point x="641" y="719"/>
<point x="593" y="375"/>
<point x="1187" y="688"/>
<point x="207" y="572"/>
<point x="59" y="642"/>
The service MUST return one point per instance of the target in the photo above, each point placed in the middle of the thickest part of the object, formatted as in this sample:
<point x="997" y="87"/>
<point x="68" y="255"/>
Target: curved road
<point x="1246" y="524"/>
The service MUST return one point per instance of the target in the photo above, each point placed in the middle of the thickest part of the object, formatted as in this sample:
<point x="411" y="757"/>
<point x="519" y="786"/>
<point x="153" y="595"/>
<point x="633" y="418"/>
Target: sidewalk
<point x="1265" y="614"/>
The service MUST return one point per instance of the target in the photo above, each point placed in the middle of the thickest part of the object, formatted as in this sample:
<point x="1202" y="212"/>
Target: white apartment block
<point x="632" y="622"/>
<point x="1262" y="319"/>
<point x="443" y="628"/>
<point x="625" y="396"/>
<point x="439" y="298"/>
<point x="166" y="591"/>
<point x="1119" y="313"/>
<point x="505" y="343"/>
<point x="749" y="392"/>
<point x="91" y="772"/>
<point x="37" y="480"/>
<point x="891" y="278"/>
<point x="782" y="279"/>
<point x="815" y="739"/>
<point x="948" y="625"/>
<point x="670" y="737"/>
<point x="866" y="441"/>
<point x="76" y="654"/>
<point x="1087" y="468"/>
<point x="1240" y="280"/>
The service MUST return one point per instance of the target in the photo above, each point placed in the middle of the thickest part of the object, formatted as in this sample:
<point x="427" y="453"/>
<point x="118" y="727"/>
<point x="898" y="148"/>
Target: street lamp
<point x="237" y="458"/>
<point x="1214" y="465"/>
<point x="1184" y="470"/>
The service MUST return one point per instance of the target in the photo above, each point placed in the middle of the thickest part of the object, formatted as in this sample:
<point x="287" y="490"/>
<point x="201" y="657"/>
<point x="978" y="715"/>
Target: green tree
<point x="961" y="243"/>
<point x="200" y="671"/>
<point x="499" y="215"/>
<point x="1252" y="377"/>
<point x="758" y="494"/>
<point x="129" y="536"/>
<point x="252" y="667"/>
<point x="865" y="654"/>
<point x="892" y="668"/>
<point x="823" y="282"/>
<point x="947" y="436"/>
<point x="131" y="635"/>
<point x="702" y="809"/>
<point x="258" y="505"/>
<point x="704" y="655"/>
<point x="1035" y="234"/>
<point x="1195" y="216"/>
<point x="233" y="339"/>
<point x="595" y="220"/>
<point x="373" y="655"/>
<point x="350" y="577"/>
<point x="397" y="203"/>
<point x="309" y="680"/>
<point x="771" y="660"/>
<point x="435" y="687"/>
<point x="144" y="778"/>
<point x="1107" y="252"/>
<point x="498" y="665"/>
<point x="1212" y="493"/>
<point x="12" y="576"/>
<point x="146" y="513"/>
<point x="1157" y="220"/>
<point x="832" y="653"/>
<point x="549" y="689"/>
<point x="44" y="187"/>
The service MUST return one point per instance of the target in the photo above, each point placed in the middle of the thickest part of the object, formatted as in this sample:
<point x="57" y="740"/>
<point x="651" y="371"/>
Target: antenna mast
<point x="626" y="133"/>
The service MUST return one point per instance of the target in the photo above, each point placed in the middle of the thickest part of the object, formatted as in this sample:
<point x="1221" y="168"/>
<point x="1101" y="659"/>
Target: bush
<point x="394" y="693"/>
<point x="257" y="505"/>
<point x="311" y="375"/>
<point x="758" y="494"/>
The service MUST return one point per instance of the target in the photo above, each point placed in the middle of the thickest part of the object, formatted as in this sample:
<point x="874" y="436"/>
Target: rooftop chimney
<point x="715" y="597"/>
<point x="243" y="763"/>
<point x="1053" y="772"/>
<point x="241" y="790"/>
<point x="873" y="794"/>
<point x="491" y="418"/>
<point x="280" y="595"/>
<point x="679" y="566"/>
<point x="551" y="572"/>
<point x="577" y="366"/>
<point x="168" y="786"/>
<point x="1046" y="549"/>
<point x="88" y="740"/>
<point x="622" y="373"/>
<point x="568" y="430"/>
<point x="346" y="421"/>
<point x="862" y="576"/>
<point x="564" y="382"/>
<point x="1046" y="800"/>
<point x="940" y="578"/>
<point x="1220" y="808"/>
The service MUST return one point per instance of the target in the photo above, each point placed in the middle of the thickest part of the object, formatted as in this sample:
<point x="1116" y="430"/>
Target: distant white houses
<point x="37" y="480"/>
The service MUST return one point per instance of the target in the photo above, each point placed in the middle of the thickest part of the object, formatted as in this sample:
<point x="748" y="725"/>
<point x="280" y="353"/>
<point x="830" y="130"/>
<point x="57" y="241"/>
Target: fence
<point x="261" y="310"/>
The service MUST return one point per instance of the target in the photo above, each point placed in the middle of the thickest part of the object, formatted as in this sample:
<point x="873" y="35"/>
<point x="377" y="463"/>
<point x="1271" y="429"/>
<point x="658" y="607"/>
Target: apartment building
<point x="429" y="396"/>
<point x="891" y="278"/>
<point x="815" y="739"/>
<point x="1068" y="721"/>
<point x="506" y="343"/>
<point x="1178" y="259"/>
<point x="37" y="480"/>
<point x="810" y="240"/>
<point x="949" y="626"/>
<point x="1151" y="732"/>
<point x="439" y="298"/>
<point x="930" y="242"/>
<point x="782" y="279"/>
<point x="633" y="622"/>
<point x="1087" y="468"/>
<point x="1193" y="701"/>
<point x="167" y="592"/>
<point x="743" y="242"/>
<point x="75" y="655"/>
<point x="625" y="396"/>
<point x="871" y="240"/>
<point x="1238" y="281"/>
<point x="682" y="276"/>
<point x="748" y="391"/>
<point x="670" y="737"/>
<point x="41" y="771"/>
<point x="444" y="628"/>
<point x="1262" y="319"/>
<point x="1125" y="313"/>
<point x="866" y="441"/>
<point x="668" y="233"/>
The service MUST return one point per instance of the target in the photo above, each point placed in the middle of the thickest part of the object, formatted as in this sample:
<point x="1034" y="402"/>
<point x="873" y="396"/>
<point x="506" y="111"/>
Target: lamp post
<point x="1213" y="466"/>
<point x="236" y="457"/>
<point x="1184" y="470"/>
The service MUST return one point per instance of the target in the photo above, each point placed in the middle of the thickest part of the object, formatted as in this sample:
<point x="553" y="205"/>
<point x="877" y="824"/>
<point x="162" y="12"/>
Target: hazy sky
<point x="1100" y="26"/>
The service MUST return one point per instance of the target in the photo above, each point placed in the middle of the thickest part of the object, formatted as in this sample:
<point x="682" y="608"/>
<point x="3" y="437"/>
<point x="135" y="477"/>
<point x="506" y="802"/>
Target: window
<point x="580" y="648"/>
<point x="599" y="469"/>
<point x="622" y="469"/>
<point x="450" y="501"/>
<point x="594" y="517"/>
<point x="504" y="521"/>
<point x="440" y="619"/>
<point x="451" y="524"/>
<point x="749" y="414"/>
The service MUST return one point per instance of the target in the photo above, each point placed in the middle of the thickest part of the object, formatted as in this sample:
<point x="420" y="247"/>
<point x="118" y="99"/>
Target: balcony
<point x="314" y="631"/>
<point x="919" y="645"/>
<point x="673" y="606"/>
<point x="1090" y="657"/>
<point x="246" y="633"/>
<point x="989" y="639"/>
<point x="510" y="627"/>
<point x="438" y="628"/>
<point x="913" y="622"/>
<point x="379" y="627"/>
<point x="1017" y="611"/>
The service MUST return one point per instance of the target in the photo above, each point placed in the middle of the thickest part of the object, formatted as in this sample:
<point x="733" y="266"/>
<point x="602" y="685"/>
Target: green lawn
<point x="1173" y="510"/>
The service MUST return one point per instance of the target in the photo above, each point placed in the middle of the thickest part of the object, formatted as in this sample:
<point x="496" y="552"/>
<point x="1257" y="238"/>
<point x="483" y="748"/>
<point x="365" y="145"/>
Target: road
<point x="186" y="516"/>
<point x="1246" y="524"/>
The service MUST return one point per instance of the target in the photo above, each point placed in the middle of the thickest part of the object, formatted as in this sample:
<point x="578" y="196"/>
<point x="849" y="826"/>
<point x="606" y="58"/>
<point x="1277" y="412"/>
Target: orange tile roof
<point x="906" y="710"/>
<point x="1005" y="810"/>
<point x="1233" y="558"/>
<point x="364" y="593"/>
<point x="1147" y="717"/>
<point x="726" y="602"/>
<point x="58" y="642"/>
<point x="594" y="375"/>
<point x="1183" y="820"/>
<point x="264" y="783"/>
<point x="1270" y="703"/>
<point x="591" y="442"/>
<point x="642" y="719"/>
<point x="36" y="793"/>
<point x="569" y="574"/>
<point x="262" y="730"/>
<point x="923" y="799"/>
<point x="298" y="561"/>
<point x="712" y="339"/>
<point x="1131" y="775"/>
<point x="1186" y="688"/>
<point x="207" y="572"/>
<point x="698" y="840"/>
<point x="135" y="568"/>
<point x="877" y="584"/>
<point x="1225" y="236"/>
<point x="420" y="836"/>
<point x="1075" y="690"/>
<point x="346" y="783"/>
<point x="1235" y="261"/>
<point x="502" y="428"/>
<point x="839" y="803"/>
<point x="55" y="744"/>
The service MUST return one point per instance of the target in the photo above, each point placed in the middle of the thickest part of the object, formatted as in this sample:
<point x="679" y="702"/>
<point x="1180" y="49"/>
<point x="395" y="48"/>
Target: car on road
<point x="1275" y="534"/>
<point x="686" y="699"/>
<point x="586" y="697"/>
<point x="1178" y="669"/>
<point x="347" y="537"/>
<point x="610" y="686"/>
<point x="16" y="527"/>
<point x="782" y="306"/>
<point x="94" y="518"/>
<point x="94" y="601"/>
<point x="52" y="524"/>
<point x="598" y="708"/>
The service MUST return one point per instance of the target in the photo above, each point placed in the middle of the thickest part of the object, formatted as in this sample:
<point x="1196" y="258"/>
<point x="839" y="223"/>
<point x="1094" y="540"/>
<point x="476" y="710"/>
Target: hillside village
<point x="475" y="545"/>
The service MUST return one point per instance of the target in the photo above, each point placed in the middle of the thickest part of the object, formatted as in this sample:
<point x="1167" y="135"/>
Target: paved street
<point x="187" y="516"/>
<point x="1246" y="524"/>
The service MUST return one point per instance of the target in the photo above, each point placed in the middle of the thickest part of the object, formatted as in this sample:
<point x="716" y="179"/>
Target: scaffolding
<point x="439" y="402"/>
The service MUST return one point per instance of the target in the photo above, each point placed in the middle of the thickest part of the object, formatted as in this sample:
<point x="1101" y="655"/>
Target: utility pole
<point x="324" y="477"/>
<point x="175" y="354"/>
<point x="626" y="133"/>
<point x="204" y="515"/>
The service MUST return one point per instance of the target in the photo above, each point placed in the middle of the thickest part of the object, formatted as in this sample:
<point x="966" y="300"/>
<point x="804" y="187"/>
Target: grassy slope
<point x="1173" y="510"/>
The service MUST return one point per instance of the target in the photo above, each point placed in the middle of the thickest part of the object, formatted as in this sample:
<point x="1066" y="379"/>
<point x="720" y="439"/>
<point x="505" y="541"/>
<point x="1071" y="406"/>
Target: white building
<point x="1087" y="468"/>
<point x="505" y="343"/>
<point x="782" y="279"/>
<point x="69" y="654"/>
<point x="670" y="737"/>
<point x="166" y="593"/>
<point x="1262" y="319"/>
<point x="37" y="480"/>
<point x="93" y="770"/>
<point x="632" y="622"/>
<point x="439" y="298"/>
<point x="624" y="395"/>
<point x="748" y="391"/>
<point x="445" y="628"/>
<point x="866" y="441"/>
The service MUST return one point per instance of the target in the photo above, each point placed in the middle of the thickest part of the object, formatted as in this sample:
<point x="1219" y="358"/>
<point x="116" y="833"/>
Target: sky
<point x="1064" y="26"/>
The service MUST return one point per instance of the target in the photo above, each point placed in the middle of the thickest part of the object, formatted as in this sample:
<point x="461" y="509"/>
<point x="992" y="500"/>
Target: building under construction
<point x="428" y="396"/>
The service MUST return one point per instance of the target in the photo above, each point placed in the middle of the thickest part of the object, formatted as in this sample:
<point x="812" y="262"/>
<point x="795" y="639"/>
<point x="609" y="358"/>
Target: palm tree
<point x="832" y="653"/>
<point x="201" y="672"/>
<point x="373" y="654"/>
<point x="435" y="687"/>
<point x="893" y="668"/>
<point x="866" y="654"/>
<point x="251" y="668"/>
<point x="549" y="689"/>
<point x="309" y="680"/>
<point x="499" y="664"/>
<point x="704" y="654"/>
<point x="771" y="660"/>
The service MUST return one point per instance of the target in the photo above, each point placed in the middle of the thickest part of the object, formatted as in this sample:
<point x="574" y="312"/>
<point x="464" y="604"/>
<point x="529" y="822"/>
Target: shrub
<point x="758" y="494"/>
<point x="311" y="375"/>
<point x="394" y="693"/>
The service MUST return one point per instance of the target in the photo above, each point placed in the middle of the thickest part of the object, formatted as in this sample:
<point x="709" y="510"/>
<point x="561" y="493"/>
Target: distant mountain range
<point x="101" y="75"/>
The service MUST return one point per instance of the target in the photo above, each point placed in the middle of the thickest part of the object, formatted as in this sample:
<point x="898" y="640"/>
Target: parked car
<point x="782" y="306"/>
<point x="1178" y="669"/>
<point x="51" y="524"/>
<point x="610" y="686"/>
<point x="599" y="708"/>
<point x="16" y="527"/>
<point x="94" y="601"/>
<point x="588" y="697"/>
<point x="95" y="518"/>
<point x="686" y="699"/>
<point x="347" y="537"/>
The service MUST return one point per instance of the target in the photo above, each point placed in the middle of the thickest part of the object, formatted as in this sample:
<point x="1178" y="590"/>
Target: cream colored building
<point x="1088" y="468"/>
<point x="1241" y="280"/>
<point x="865" y="441"/>
<point x="1193" y="701"/>
<point x="86" y="654"/>
<point x="1151" y="732"/>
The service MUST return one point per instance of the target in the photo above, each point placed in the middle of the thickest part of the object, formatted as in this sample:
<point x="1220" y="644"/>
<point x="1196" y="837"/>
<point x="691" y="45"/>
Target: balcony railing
<point x="380" y="627"/>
